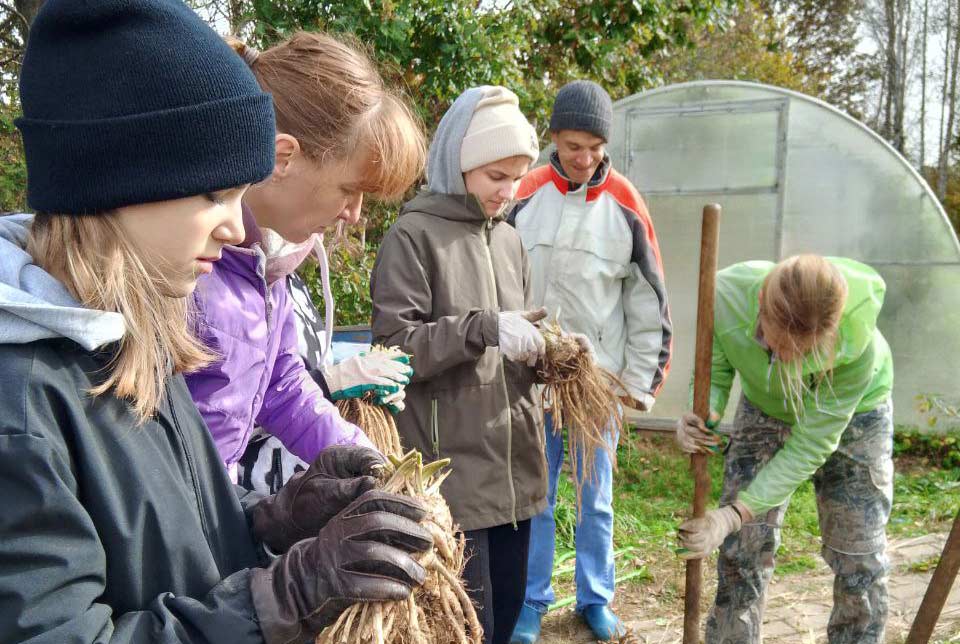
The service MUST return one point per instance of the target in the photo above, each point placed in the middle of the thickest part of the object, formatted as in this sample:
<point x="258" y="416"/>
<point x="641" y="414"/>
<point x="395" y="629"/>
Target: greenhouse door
<point x="681" y="157"/>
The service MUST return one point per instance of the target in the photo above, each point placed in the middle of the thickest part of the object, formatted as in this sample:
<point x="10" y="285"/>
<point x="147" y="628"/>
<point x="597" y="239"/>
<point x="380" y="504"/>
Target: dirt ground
<point x="797" y="610"/>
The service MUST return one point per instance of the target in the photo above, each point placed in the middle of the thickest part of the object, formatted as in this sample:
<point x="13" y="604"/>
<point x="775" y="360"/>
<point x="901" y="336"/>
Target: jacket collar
<point x="464" y="208"/>
<point x="594" y="186"/>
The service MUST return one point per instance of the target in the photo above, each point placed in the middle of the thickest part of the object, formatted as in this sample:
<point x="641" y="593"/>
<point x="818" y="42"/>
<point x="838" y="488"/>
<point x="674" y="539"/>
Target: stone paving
<point x="798" y="606"/>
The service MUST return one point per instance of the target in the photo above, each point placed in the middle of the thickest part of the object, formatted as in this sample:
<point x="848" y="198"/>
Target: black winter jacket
<point x="110" y="532"/>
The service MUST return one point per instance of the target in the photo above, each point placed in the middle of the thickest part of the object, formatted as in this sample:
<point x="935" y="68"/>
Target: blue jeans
<point x="594" y="533"/>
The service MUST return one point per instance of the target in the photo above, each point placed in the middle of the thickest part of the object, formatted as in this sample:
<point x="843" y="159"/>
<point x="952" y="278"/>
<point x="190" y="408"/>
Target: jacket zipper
<point x="190" y="464"/>
<point x="435" y="427"/>
<point x="488" y="226"/>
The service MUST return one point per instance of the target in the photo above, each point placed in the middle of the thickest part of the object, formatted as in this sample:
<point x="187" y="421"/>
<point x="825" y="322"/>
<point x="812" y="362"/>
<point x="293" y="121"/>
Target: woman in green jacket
<point x="816" y="375"/>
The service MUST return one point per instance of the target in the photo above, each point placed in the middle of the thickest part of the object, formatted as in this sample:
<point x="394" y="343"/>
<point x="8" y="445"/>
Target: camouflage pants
<point x="854" y="495"/>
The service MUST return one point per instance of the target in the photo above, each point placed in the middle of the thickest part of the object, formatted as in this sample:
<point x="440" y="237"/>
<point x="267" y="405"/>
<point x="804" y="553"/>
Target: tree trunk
<point x="237" y="17"/>
<point x="948" y="40"/>
<point x="890" y="67"/>
<point x="898" y="26"/>
<point x="923" y="88"/>
<point x="947" y="141"/>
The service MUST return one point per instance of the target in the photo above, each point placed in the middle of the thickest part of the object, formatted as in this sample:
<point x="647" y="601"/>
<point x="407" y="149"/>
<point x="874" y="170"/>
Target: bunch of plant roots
<point x="582" y="399"/>
<point x="439" y="611"/>
<point x="375" y="420"/>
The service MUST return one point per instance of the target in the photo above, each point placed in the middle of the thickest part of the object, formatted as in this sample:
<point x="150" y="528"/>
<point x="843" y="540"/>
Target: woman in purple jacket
<point x="329" y="152"/>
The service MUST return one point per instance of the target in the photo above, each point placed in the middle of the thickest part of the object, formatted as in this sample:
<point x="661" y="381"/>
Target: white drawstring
<point x="321" y="253"/>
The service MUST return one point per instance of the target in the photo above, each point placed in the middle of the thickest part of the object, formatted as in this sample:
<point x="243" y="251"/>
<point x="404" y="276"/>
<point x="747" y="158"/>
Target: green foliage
<point x="925" y="565"/>
<point x="924" y="500"/>
<point x="940" y="449"/>
<point x="438" y="48"/>
<point x="824" y="37"/>
<point x="349" y="282"/>
<point x="13" y="167"/>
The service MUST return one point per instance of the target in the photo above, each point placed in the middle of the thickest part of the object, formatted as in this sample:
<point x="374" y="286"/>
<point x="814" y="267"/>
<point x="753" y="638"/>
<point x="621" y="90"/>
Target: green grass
<point x="653" y="493"/>
<point x="925" y="565"/>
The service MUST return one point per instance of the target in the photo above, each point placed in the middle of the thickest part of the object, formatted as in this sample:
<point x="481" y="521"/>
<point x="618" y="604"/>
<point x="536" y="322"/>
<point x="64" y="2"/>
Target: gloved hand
<point x="693" y="436"/>
<point x="584" y="343"/>
<point x="520" y="341"/>
<point x="375" y="371"/>
<point x="361" y="555"/>
<point x="700" y="537"/>
<point x="395" y="402"/>
<point x="337" y="476"/>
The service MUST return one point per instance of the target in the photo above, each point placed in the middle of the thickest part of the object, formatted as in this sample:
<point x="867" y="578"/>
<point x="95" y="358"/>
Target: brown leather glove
<point x="361" y="555"/>
<point x="337" y="476"/>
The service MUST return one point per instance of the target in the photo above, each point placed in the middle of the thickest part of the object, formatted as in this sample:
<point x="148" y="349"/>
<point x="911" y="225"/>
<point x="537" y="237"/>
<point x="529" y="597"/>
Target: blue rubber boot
<point x="604" y="624"/>
<point x="527" y="630"/>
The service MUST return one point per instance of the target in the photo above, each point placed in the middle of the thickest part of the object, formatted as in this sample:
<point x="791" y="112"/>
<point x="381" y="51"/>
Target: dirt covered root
<point x="582" y="399"/>
<point x="375" y="420"/>
<point x="439" y="611"/>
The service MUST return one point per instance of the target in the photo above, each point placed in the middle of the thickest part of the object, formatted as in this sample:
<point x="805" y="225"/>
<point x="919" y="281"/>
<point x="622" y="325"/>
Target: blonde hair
<point x="329" y="95"/>
<point x="802" y="298"/>
<point x="103" y="271"/>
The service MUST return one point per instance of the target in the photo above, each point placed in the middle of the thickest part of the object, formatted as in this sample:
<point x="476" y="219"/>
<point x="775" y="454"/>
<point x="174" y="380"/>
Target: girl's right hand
<point x="693" y="436"/>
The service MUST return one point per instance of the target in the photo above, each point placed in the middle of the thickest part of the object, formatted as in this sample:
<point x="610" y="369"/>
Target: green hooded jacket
<point x="861" y="380"/>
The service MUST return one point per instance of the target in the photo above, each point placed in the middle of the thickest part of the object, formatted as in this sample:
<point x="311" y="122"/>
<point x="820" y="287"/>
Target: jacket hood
<point x="443" y="160"/>
<point x="34" y="305"/>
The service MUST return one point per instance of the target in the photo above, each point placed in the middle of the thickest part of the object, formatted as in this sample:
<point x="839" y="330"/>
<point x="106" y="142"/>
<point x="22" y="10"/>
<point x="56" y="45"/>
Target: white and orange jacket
<point x="595" y="266"/>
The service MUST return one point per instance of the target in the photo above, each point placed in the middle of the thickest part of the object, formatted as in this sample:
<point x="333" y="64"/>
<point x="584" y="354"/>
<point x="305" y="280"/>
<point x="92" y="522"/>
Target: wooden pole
<point x="939" y="588"/>
<point x="709" y="242"/>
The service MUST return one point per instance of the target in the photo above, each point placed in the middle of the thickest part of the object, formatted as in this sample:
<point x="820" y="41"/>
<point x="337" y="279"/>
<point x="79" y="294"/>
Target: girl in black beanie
<point x="142" y="131"/>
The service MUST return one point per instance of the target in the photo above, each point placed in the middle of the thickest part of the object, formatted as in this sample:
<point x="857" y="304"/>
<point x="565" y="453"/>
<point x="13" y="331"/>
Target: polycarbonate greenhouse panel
<point x="678" y="218"/>
<point x="793" y="175"/>
<point x="848" y="195"/>
<point x="921" y="305"/>
<point x="741" y="144"/>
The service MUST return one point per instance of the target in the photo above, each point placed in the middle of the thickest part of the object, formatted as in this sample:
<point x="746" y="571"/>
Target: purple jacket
<point x="260" y="377"/>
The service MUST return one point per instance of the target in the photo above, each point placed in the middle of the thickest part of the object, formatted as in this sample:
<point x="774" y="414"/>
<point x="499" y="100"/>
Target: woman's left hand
<point x="394" y="402"/>
<point x="376" y="371"/>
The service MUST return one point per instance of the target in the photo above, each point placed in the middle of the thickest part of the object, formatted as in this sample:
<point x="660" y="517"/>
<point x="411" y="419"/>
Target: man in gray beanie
<point x="595" y="263"/>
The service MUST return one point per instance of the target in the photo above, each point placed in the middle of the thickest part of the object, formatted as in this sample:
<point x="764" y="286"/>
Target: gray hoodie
<point x="34" y="305"/>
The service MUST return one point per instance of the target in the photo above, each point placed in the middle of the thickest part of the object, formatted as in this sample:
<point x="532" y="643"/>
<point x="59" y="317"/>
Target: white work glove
<point x="376" y="371"/>
<point x="395" y="402"/>
<point x="520" y="341"/>
<point x="693" y="436"/>
<point x="584" y="343"/>
<point x="700" y="537"/>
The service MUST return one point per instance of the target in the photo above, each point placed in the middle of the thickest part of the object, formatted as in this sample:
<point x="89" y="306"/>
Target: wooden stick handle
<point x="709" y="243"/>
<point x="936" y="596"/>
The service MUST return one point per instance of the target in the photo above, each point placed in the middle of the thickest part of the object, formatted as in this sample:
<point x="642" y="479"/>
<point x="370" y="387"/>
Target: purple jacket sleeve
<point x="294" y="408"/>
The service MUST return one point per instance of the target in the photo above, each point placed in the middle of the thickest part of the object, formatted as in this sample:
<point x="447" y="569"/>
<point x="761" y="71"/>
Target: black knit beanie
<point x="585" y="106"/>
<point x="134" y="101"/>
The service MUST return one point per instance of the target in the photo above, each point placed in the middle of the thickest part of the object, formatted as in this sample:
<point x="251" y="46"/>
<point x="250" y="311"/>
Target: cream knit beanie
<point x="498" y="130"/>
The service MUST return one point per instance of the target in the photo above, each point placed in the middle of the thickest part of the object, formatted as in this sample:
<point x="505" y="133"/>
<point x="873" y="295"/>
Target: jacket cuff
<point x="746" y="514"/>
<point x="276" y="626"/>
<point x="490" y="328"/>
<point x="744" y="504"/>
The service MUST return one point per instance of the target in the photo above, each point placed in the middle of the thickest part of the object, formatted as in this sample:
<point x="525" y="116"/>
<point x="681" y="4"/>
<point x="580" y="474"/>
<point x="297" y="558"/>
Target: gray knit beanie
<point x="585" y="106"/>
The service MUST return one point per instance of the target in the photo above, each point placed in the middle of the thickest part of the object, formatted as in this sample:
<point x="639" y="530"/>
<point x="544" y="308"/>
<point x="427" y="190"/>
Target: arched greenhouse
<point x="793" y="175"/>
